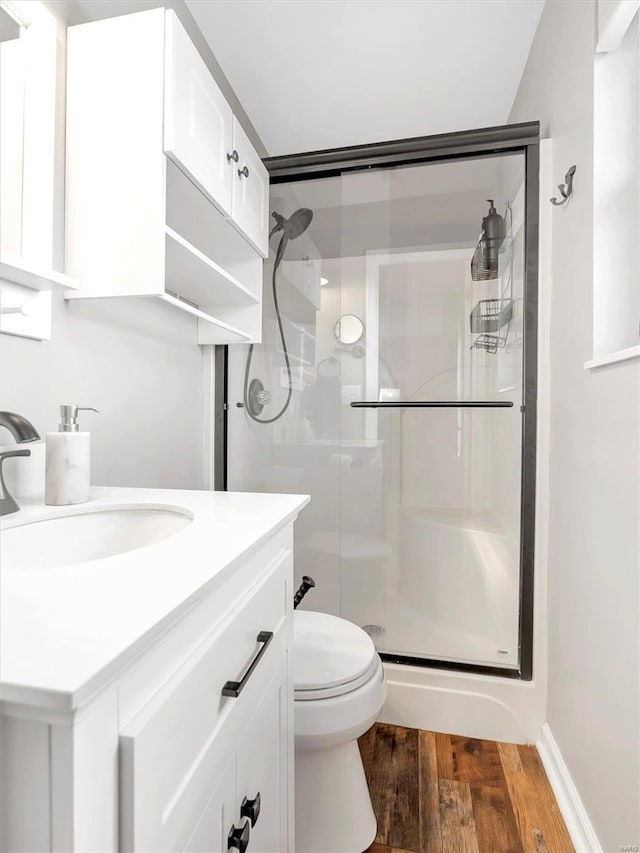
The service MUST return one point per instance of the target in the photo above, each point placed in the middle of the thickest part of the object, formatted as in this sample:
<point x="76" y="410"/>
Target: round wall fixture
<point x="348" y="329"/>
<point x="257" y="398"/>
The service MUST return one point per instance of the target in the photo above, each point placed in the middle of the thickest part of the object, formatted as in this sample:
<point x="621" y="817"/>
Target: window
<point x="616" y="221"/>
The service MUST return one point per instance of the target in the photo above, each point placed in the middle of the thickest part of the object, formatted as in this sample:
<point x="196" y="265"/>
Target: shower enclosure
<point x="396" y="384"/>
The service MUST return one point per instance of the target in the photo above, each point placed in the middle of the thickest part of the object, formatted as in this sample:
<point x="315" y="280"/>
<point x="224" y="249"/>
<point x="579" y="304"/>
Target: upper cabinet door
<point x="250" y="192"/>
<point x="198" y="122"/>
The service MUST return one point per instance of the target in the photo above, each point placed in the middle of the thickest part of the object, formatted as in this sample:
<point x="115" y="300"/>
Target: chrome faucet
<point x="23" y="431"/>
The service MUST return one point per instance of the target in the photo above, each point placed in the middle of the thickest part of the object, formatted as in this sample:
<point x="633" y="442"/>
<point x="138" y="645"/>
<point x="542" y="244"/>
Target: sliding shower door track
<point x="452" y="666"/>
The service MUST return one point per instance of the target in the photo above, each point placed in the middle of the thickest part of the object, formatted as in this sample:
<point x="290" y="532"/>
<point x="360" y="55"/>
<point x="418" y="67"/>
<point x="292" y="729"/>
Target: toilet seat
<point x="306" y="695"/>
<point x="332" y="656"/>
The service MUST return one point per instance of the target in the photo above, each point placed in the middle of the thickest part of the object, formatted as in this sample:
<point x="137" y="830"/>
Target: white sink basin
<point x="90" y="534"/>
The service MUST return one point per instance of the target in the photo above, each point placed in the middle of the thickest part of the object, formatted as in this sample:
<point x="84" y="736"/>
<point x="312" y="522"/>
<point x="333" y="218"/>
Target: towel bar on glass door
<point x="435" y="404"/>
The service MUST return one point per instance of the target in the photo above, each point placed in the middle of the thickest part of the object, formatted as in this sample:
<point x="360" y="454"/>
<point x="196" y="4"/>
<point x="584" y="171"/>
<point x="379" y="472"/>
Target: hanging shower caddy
<point x="490" y="315"/>
<point x="487" y="319"/>
<point x="491" y="319"/>
<point x="484" y="264"/>
<point x="480" y="266"/>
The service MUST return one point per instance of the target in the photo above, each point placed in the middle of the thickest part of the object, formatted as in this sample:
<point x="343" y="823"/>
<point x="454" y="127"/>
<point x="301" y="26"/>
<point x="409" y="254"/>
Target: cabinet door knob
<point x="233" y="156"/>
<point x="244" y="171"/>
<point x="239" y="837"/>
<point x="251" y="809"/>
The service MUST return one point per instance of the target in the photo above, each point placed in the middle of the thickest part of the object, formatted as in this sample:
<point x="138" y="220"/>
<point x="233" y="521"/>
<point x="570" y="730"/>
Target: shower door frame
<point x="445" y="147"/>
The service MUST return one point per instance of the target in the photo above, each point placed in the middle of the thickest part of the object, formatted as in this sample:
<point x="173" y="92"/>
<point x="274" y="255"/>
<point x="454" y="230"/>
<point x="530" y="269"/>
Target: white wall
<point x="594" y="461"/>
<point x="137" y="361"/>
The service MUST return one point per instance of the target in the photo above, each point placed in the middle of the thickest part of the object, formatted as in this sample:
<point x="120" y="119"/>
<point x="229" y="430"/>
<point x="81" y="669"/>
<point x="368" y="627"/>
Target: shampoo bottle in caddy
<point x="67" y="467"/>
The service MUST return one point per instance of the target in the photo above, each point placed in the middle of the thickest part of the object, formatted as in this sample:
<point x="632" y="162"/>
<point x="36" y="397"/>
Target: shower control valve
<point x="263" y="397"/>
<point x="257" y="397"/>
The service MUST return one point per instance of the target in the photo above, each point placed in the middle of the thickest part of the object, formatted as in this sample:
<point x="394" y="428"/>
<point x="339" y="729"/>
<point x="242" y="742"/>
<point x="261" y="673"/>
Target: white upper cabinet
<point x="32" y="44"/>
<point x="206" y="141"/>
<point x="165" y="195"/>
<point x="198" y="122"/>
<point x="250" y="192"/>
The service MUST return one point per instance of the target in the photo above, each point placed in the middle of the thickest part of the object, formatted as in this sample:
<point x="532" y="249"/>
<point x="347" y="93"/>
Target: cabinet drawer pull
<point x="251" y="809"/>
<point x="239" y="837"/>
<point x="244" y="171"/>
<point x="235" y="688"/>
<point x="233" y="156"/>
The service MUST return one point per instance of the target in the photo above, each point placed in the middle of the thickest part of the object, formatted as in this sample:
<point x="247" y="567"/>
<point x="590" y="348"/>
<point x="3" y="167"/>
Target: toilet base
<point x="333" y="806"/>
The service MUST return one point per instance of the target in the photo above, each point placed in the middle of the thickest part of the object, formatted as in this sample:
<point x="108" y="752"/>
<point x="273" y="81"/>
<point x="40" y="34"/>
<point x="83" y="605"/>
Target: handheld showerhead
<point x="295" y="225"/>
<point x="298" y="222"/>
<point x="291" y="228"/>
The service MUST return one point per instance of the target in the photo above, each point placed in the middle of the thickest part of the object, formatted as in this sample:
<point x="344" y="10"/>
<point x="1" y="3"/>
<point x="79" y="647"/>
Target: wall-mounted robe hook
<point x="566" y="189"/>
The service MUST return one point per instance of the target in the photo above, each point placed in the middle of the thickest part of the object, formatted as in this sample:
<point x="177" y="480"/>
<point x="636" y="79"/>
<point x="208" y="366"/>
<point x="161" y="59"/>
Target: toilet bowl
<point x="339" y="693"/>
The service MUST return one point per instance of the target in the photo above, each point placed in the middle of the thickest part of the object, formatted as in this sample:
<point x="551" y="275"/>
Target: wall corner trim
<point x="573" y="811"/>
<point x="614" y="18"/>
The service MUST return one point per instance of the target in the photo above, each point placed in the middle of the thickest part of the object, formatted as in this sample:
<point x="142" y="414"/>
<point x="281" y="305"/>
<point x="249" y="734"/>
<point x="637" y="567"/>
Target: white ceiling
<point x="315" y="74"/>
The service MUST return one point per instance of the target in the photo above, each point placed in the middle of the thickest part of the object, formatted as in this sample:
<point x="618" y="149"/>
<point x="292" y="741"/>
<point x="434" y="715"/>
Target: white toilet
<point x="339" y="693"/>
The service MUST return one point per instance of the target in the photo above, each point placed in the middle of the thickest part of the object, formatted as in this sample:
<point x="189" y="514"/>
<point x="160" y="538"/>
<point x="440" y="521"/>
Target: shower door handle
<point x="435" y="404"/>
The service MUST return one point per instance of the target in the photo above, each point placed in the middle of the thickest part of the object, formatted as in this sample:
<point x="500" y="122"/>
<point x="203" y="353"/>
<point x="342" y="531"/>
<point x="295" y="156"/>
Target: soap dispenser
<point x="67" y="467"/>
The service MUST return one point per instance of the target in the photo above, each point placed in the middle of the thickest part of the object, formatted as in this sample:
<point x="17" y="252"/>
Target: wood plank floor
<point x="437" y="793"/>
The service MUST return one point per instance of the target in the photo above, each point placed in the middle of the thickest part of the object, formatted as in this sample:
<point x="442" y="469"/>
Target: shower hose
<point x="285" y="351"/>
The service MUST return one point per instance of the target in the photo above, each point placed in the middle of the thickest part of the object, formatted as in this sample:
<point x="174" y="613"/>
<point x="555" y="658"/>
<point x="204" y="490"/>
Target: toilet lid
<point x="329" y="653"/>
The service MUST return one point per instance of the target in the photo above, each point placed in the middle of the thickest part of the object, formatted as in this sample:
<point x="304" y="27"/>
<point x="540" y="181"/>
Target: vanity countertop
<point x="65" y="631"/>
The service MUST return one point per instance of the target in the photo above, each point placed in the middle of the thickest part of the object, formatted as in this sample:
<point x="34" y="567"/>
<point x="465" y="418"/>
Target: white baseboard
<point x="573" y="811"/>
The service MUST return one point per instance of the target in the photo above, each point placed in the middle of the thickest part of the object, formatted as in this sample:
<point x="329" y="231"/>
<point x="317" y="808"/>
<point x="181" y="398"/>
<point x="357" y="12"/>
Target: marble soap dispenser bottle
<point x="67" y="466"/>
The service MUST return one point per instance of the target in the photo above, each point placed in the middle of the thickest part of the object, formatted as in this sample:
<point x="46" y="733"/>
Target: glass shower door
<point x="431" y="428"/>
<point x="388" y="386"/>
<point x="288" y="445"/>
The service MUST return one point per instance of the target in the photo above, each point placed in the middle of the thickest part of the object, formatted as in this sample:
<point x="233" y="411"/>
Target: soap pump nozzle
<point x="69" y="417"/>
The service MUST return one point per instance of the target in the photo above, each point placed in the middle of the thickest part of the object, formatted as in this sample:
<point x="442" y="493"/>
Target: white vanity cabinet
<point x="190" y="734"/>
<point x="165" y="195"/>
<point x="211" y="834"/>
<point x="185" y="741"/>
